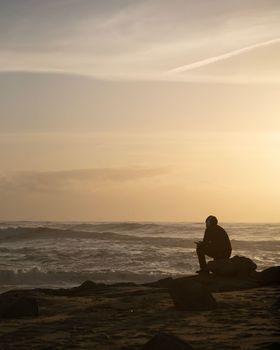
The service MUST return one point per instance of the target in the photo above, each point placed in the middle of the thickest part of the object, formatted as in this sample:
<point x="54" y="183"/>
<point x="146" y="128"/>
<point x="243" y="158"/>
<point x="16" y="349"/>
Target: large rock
<point x="192" y="296"/>
<point x="238" y="266"/>
<point x="14" y="306"/>
<point x="164" y="341"/>
<point x="270" y="275"/>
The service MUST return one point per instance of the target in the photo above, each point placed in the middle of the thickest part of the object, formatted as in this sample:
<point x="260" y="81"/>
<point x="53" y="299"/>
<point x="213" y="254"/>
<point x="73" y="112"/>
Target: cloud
<point x="222" y="57"/>
<point x="127" y="39"/>
<point x="77" y="179"/>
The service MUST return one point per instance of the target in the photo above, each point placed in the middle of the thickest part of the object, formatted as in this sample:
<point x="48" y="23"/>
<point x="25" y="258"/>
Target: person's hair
<point x="212" y="220"/>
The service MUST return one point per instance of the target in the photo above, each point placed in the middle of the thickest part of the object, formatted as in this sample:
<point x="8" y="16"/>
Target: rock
<point x="221" y="267"/>
<point x="270" y="275"/>
<point x="123" y="284"/>
<point x="87" y="285"/>
<point x="238" y="266"/>
<point x="86" y="288"/>
<point x="217" y="284"/>
<point x="162" y="283"/>
<point x="13" y="306"/>
<point x="192" y="296"/>
<point x="270" y="346"/>
<point x="165" y="341"/>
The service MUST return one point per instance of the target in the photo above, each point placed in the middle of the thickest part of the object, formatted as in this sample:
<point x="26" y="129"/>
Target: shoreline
<point x="125" y="316"/>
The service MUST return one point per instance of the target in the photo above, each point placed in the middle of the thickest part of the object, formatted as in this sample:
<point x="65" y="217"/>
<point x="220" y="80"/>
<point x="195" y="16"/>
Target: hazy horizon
<point x="202" y="222"/>
<point x="140" y="111"/>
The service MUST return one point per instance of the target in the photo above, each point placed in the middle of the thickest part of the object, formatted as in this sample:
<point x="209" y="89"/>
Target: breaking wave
<point x="39" y="233"/>
<point x="65" y="254"/>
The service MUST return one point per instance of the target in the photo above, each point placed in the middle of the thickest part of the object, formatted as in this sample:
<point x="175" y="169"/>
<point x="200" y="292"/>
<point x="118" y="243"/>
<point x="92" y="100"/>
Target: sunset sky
<point x="140" y="110"/>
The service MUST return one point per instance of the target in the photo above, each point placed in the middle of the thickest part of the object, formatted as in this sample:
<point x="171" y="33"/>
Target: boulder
<point x="87" y="286"/>
<point x="165" y="341"/>
<point x="14" y="306"/>
<point x="237" y="266"/>
<point x="270" y="275"/>
<point x="192" y="296"/>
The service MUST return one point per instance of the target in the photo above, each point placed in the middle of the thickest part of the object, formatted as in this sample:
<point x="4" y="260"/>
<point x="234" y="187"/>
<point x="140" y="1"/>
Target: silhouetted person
<point x="215" y="244"/>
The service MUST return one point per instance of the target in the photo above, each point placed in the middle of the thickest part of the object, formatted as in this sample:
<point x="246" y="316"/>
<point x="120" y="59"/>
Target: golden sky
<point x="151" y="110"/>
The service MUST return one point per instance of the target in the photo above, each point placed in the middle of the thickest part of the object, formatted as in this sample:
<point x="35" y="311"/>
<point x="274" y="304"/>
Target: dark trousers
<point x="202" y="251"/>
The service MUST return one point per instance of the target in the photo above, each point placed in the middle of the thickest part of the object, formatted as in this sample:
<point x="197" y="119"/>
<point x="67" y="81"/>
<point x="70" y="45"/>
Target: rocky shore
<point x="193" y="312"/>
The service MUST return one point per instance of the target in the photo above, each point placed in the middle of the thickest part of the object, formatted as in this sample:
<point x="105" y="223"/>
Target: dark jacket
<point x="216" y="242"/>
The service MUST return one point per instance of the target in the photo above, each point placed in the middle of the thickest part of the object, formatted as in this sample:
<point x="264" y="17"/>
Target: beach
<point x="126" y="316"/>
<point x="139" y="179"/>
<point x="123" y="305"/>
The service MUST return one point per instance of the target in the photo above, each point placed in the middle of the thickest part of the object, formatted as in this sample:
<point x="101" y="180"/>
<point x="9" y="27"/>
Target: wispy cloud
<point x="132" y="40"/>
<point x="222" y="57"/>
<point x="77" y="179"/>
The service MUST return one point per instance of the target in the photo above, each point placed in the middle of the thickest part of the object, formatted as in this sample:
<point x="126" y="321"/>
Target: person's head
<point x="211" y="221"/>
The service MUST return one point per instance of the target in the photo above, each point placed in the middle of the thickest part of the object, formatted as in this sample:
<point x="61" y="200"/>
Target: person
<point x="215" y="244"/>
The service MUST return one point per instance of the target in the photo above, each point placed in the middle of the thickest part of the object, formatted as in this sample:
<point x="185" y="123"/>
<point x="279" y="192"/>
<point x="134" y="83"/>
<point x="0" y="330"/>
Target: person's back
<point x="215" y="244"/>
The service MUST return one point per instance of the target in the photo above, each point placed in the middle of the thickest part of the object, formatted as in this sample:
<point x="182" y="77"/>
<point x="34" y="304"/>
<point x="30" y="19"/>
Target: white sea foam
<point x="59" y="254"/>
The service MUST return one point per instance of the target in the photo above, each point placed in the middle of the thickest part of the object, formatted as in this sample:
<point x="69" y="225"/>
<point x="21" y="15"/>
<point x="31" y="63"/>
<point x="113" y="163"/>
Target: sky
<point x="151" y="110"/>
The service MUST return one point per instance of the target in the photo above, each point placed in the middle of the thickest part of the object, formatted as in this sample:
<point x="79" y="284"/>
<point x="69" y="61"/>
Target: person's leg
<point x="217" y="255"/>
<point x="201" y="257"/>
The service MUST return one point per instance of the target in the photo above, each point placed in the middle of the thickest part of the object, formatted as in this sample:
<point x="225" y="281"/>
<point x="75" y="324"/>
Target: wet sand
<point x="126" y="317"/>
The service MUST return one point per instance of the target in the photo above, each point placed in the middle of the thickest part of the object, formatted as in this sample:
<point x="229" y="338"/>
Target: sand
<point x="126" y="317"/>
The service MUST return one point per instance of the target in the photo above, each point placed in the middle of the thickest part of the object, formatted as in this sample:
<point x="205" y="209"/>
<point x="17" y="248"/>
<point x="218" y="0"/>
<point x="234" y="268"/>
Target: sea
<point x="64" y="254"/>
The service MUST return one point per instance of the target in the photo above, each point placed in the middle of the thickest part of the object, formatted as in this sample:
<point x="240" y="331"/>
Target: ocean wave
<point x="53" y="254"/>
<point x="31" y="233"/>
<point x="17" y="234"/>
<point x="45" y="233"/>
<point x="35" y="277"/>
<point x="118" y="226"/>
<point x="132" y="228"/>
